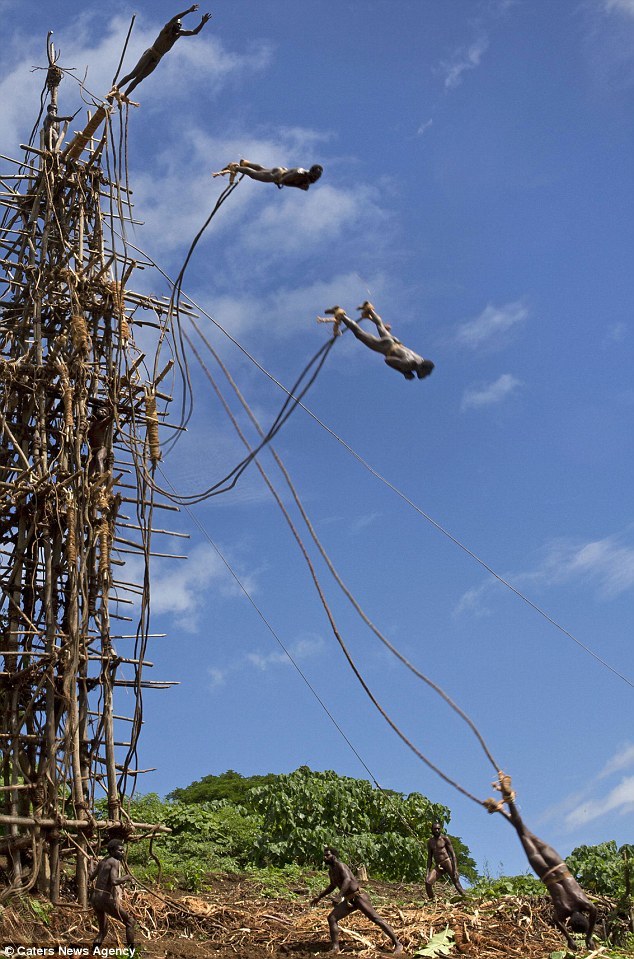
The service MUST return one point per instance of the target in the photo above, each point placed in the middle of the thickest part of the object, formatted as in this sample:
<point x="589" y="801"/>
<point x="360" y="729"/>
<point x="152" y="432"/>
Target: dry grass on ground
<point x="232" y="921"/>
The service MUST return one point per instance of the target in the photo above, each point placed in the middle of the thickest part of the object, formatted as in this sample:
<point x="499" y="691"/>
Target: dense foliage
<point x="230" y="786"/>
<point x="283" y="822"/>
<point x="386" y="831"/>
<point x="604" y="870"/>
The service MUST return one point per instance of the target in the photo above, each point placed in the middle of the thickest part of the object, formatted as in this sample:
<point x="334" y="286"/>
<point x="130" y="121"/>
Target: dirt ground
<point x="233" y="920"/>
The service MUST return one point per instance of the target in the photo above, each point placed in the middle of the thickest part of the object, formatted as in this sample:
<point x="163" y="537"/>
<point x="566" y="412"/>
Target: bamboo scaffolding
<point x="71" y="384"/>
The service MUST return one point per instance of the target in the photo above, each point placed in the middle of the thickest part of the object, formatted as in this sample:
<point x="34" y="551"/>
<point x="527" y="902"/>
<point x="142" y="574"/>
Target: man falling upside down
<point x="570" y="902"/>
<point x="396" y="355"/>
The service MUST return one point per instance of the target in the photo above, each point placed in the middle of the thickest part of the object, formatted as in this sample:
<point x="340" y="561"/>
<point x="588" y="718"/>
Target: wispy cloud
<point x="302" y="649"/>
<point x="598" y="798"/>
<point x="492" y="325"/>
<point x="288" y="310"/>
<point x="606" y="564"/>
<point x="619" y="799"/>
<point x="180" y="588"/>
<point x="615" y="333"/>
<point x="424" y="127"/>
<point x="491" y="394"/>
<point x="464" y="59"/>
<point x="623" y="759"/>
<point x="618" y="6"/>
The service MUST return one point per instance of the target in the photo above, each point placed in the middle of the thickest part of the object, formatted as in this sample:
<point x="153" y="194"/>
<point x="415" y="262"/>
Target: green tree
<point x="602" y="869"/>
<point x="387" y="831"/>
<point x="230" y="785"/>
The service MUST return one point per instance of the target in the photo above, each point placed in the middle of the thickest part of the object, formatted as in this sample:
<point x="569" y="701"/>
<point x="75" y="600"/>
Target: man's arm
<point x="179" y="16"/>
<point x="192" y="33"/>
<point x="571" y="943"/>
<point x="326" y="892"/>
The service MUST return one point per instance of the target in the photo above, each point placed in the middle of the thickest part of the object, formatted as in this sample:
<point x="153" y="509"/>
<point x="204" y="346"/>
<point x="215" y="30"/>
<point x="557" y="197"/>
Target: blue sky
<point x="478" y="188"/>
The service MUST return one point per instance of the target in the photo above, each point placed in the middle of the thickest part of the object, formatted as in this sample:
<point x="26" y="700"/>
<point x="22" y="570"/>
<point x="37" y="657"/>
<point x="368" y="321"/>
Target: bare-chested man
<point x="396" y="355"/>
<point x="280" y="175"/>
<point x="106" y="896"/>
<point x="441" y="860"/>
<point x="50" y="128"/>
<point x="342" y="878"/>
<point x="166" y="39"/>
<point x="99" y="438"/>
<point x="570" y="902"/>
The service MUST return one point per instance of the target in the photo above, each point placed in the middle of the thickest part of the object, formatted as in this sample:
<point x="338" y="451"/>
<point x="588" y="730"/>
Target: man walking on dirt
<point x="106" y="896"/>
<point x="441" y="860"/>
<point x="353" y="898"/>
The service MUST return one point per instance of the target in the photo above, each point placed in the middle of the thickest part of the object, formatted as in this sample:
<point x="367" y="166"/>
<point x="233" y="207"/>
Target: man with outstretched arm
<point x="441" y="860"/>
<point x="570" y="902"/>
<point x="279" y="175"/>
<point x="353" y="898"/>
<point x="166" y="39"/>
<point x="396" y="355"/>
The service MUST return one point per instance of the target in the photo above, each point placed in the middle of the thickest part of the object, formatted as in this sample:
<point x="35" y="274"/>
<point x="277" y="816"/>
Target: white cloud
<point x="615" y="333"/>
<point x="623" y="759"/>
<point x="290" y="310"/>
<point x="491" y="325"/>
<point x="619" y="6"/>
<point x="597" y="798"/>
<point x="619" y="799"/>
<point x="606" y="562"/>
<point x="290" y="223"/>
<point x="180" y="588"/>
<point x="301" y="650"/>
<point x="217" y="676"/>
<point x="464" y="59"/>
<point x="424" y="127"/>
<point x="489" y="395"/>
<point x="471" y="603"/>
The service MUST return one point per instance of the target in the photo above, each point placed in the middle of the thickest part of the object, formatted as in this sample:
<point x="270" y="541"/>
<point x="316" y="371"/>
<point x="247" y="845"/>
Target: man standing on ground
<point x="353" y="898"/>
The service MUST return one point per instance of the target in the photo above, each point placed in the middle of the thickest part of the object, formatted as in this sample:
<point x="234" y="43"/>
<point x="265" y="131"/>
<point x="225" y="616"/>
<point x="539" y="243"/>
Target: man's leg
<point x="430" y="879"/>
<point x="341" y="909"/>
<point x="126" y="919"/>
<point x="455" y="878"/>
<point x="102" y="921"/>
<point x="365" y="906"/>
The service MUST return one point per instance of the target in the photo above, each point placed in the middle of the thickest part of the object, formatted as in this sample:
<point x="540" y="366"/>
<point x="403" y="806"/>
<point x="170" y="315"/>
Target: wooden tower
<point x="80" y="408"/>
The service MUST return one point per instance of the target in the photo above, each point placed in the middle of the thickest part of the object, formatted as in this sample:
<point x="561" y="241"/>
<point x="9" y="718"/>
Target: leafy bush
<point x="523" y="885"/>
<point x="602" y="869"/>
<point x="304" y="811"/>
<point x="230" y="786"/>
<point x="284" y="824"/>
